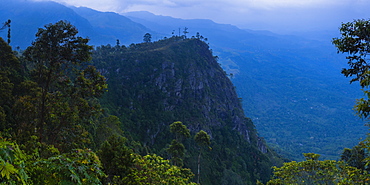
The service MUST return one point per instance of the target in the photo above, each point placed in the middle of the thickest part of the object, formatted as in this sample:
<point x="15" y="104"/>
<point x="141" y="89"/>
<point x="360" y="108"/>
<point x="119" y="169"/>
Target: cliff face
<point x="196" y="81"/>
<point x="154" y="84"/>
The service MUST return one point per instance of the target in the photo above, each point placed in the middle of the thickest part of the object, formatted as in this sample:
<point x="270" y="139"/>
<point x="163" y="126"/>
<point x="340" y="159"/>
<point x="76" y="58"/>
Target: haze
<point x="280" y="16"/>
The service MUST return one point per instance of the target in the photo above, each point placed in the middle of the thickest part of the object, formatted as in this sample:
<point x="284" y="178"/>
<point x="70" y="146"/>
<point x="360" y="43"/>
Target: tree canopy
<point x="65" y="85"/>
<point x="52" y="123"/>
<point x="355" y="42"/>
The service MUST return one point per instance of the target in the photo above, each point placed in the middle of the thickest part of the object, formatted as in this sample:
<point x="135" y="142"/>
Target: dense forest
<point x="289" y="85"/>
<point x="159" y="112"/>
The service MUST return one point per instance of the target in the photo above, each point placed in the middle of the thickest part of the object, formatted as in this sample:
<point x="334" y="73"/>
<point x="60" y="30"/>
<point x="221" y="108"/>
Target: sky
<point x="280" y="16"/>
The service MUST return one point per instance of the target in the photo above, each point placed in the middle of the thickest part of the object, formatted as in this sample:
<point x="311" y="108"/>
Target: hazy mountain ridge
<point x="28" y="16"/>
<point x="113" y="26"/>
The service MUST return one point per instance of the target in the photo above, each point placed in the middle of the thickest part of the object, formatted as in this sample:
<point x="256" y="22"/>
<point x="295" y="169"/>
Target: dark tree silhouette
<point x="147" y="37"/>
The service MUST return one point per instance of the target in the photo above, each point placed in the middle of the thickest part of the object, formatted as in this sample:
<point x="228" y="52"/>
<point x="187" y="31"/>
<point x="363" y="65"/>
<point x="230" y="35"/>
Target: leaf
<point x="7" y="169"/>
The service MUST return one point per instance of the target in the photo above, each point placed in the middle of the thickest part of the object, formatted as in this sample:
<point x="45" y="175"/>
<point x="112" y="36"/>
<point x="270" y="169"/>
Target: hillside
<point x="58" y="128"/>
<point x="291" y="86"/>
<point x="99" y="27"/>
<point x="152" y="85"/>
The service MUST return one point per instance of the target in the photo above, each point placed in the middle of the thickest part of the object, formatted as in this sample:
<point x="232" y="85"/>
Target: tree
<point x="313" y="171"/>
<point x="177" y="152"/>
<point x="147" y="37"/>
<point x="197" y="35"/>
<point x="106" y="127"/>
<point x="355" y="157"/>
<point x="203" y="140"/>
<point x="117" y="159"/>
<point x="10" y="80"/>
<point x="176" y="148"/>
<point x="355" y="41"/>
<point x="117" y="43"/>
<point x="7" y="24"/>
<point x="180" y="130"/>
<point x="67" y="86"/>
<point x="13" y="169"/>
<point x="185" y="32"/>
<point x="153" y="170"/>
<point x="79" y="166"/>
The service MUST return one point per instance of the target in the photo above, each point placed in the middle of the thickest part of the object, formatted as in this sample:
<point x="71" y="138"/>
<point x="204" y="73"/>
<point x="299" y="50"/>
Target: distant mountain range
<point x="290" y="86"/>
<point x="101" y="28"/>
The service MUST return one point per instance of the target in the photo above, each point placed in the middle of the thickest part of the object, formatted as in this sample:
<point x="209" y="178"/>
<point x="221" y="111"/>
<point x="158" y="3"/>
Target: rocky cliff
<point x="176" y="79"/>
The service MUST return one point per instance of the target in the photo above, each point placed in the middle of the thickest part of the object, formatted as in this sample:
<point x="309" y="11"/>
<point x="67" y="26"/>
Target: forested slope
<point x="152" y="85"/>
<point x="290" y="86"/>
<point x="109" y="120"/>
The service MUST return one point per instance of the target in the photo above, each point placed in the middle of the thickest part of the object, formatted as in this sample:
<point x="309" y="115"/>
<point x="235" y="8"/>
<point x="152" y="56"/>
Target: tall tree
<point x="67" y="85"/>
<point x="117" y="159"/>
<point x="176" y="148"/>
<point x="147" y="37"/>
<point x="355" y="157"/>
<point x="355" y="41"/>
<point x="185" y="32"/>
<point x="10" y="80"/>
<point x="180" y="130"/>
<point x="203" y="140"/>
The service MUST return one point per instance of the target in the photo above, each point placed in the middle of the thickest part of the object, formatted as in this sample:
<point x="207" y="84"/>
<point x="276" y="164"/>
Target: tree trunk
<point x="199" y="168"/>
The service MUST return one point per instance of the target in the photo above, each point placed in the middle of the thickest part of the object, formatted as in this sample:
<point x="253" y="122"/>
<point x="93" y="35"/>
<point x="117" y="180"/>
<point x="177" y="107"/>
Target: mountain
<point x="291" y="86"/>
<point x="99" y="27"/>
<point x="113" y="26"/>
<point x="152" y="85"/>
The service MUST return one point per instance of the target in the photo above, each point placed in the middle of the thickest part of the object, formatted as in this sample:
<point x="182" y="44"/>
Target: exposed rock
<point x="182" y="81"/>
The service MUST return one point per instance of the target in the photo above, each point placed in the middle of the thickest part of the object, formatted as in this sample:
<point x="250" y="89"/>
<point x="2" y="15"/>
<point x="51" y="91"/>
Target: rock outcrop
<point x="176" y="79"/>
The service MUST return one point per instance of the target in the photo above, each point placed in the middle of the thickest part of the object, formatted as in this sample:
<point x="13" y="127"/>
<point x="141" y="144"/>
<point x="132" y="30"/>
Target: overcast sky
<point x="281" y="16"/>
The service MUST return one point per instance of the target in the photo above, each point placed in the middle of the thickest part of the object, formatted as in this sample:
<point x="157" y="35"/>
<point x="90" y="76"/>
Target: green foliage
<point x="313" y="171"/>
<point x="152" y="169"/>
<point x="352" y="170"/>
<point x="10" y="79"/>
<point x="180" y="130"/>
<point x="56" y="106"/>
<point x="177" y="152"/>
<point x="154" y="85"/>
<point x="355" y="157"/>
<point x="355" y="42"/>
<point x="53" y="108"/>
<point x="176" y="148"/>
<point x="67" y="88"/>
<point x="202" y="139"/>
<point x="12" y="163"/>
<point x="106" y="127"/>
<point x="80" y="166"/>
<point x="117" y="159"/>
